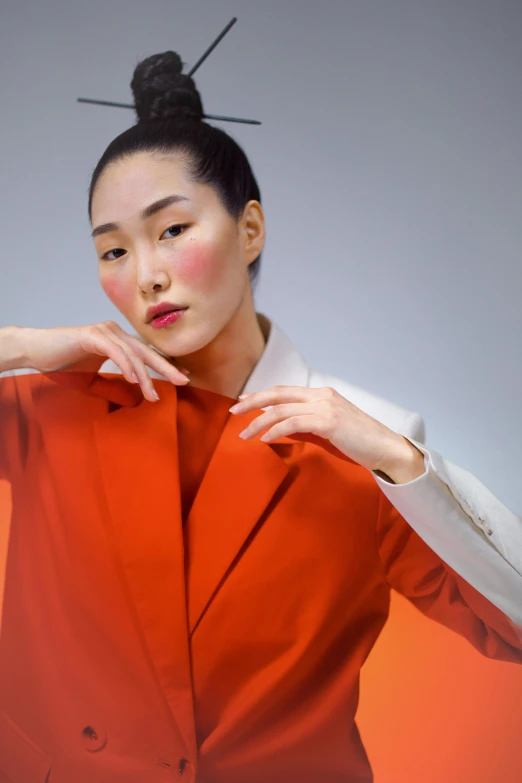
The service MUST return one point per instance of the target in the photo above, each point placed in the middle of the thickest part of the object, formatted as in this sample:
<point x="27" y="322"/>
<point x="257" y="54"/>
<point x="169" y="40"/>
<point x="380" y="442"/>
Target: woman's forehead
<point x="131" y="184"/>
<point x="142" y="171"/>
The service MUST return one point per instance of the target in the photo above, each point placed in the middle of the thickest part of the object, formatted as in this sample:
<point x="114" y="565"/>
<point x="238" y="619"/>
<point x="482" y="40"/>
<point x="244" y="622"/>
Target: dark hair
<point x="170" y="119"/>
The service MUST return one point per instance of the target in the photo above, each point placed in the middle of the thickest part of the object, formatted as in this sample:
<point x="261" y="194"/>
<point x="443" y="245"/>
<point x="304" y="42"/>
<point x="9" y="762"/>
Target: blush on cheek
<point x="200" y="263"/>
<point x="118" y="291"/>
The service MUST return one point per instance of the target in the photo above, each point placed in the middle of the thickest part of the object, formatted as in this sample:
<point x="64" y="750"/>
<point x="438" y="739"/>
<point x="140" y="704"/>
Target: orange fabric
<point x="196" y="440"/>
<point x="5" y="523"/>
<point x="133" y="649"/>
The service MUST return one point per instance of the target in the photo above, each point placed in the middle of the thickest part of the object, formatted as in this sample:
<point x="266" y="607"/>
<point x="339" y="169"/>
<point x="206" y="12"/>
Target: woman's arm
<point x="76" y="348"/>
<point x="413" y="569"/>
<point x="12" y="353"/>
<point x="457" y="516"/>
<point x="467" y="526"/>
<point x="84" y="348"/>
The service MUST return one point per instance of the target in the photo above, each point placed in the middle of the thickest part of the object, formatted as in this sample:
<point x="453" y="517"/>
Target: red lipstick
<point x="165" y="320"/>
<point x="163" y="314"/>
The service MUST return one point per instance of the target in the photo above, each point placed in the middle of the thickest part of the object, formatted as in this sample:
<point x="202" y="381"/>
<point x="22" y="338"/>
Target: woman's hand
<point x="86" y="348"/>
<point x="324" y="413"/>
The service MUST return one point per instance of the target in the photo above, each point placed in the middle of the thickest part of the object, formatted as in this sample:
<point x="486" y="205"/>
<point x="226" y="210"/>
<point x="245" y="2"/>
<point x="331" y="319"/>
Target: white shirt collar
<point x="280" y="364"/>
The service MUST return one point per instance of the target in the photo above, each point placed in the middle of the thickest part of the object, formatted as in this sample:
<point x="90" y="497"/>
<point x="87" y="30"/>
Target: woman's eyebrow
<point x="145" y="213"/>
<point x="161" y="204"/>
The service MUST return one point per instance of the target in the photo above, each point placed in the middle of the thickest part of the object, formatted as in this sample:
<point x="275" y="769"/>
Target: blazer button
<point x="93" y="739"/>
<point x="185" y="770"/>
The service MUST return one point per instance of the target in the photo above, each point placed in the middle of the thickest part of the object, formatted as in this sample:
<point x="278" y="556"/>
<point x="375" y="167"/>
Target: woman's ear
<point x="252" y="226"/>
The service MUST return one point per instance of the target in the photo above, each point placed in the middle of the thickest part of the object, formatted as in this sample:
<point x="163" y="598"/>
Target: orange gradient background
<point x="432" y="709"/>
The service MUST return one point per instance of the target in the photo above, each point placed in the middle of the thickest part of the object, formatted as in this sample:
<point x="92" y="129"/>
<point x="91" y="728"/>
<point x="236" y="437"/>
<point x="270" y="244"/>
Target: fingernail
<point x="134" y="377"/>
<point x="243" y="434"/>
<point x="234" y="408"/>
<point x="242" y="396"/>
<point x="155" y="393"/>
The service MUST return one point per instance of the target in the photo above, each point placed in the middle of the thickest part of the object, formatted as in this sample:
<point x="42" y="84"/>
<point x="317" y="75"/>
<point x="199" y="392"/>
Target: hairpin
<point x="190" y="73"/>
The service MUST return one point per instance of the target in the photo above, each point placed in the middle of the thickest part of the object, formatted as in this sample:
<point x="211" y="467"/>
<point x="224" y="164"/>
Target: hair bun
<point x="161" y="90"/>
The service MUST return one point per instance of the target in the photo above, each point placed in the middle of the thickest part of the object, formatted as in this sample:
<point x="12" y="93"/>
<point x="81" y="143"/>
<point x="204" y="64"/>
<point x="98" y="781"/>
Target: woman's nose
<point x="151" y="277"/>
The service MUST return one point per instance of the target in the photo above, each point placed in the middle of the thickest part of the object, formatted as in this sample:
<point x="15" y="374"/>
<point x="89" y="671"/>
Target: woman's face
<point x="162" y="238"/>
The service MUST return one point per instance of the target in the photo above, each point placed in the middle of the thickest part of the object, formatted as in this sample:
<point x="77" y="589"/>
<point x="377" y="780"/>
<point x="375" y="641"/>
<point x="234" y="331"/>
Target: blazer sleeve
<point x="15" y="399"/>
<point x="438" y="591"/>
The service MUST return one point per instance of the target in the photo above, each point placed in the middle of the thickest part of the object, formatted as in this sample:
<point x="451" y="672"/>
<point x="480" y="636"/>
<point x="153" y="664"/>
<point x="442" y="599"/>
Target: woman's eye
<point x="112" y="255"/>
<point x="173" y="231"/>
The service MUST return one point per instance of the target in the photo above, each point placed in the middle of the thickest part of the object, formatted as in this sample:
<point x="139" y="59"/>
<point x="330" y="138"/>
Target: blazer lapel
<point x="239" y="485"/>
<point x="138" y="454"/>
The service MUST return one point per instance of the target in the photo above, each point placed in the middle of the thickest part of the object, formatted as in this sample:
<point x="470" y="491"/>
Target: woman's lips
<point x="165" y="319"/>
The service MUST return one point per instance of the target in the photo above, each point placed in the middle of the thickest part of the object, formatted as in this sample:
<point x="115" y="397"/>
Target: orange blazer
<point x="135" y="649"/>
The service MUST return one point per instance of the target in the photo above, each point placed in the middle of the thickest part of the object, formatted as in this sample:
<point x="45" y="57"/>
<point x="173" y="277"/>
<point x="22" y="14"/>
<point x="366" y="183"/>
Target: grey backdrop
<point x="390" y="165"/>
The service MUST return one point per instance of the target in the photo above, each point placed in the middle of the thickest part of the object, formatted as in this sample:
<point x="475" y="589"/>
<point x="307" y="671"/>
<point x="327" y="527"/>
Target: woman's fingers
<point x="140" y="359"/>
<point x="142" y="377"/>
<point x="131" y="356"/>
<point x="306" y="423"/>
<point x="139" y="372"/>
<point x="130" y="365"/>
<point x="140" y="356"/>
<point x="152" y="358"/>
<point x="104" y="345"/>
<point x="161" y="365"/>
<point x="275" y="415"/>
<point x="278" y="395"/>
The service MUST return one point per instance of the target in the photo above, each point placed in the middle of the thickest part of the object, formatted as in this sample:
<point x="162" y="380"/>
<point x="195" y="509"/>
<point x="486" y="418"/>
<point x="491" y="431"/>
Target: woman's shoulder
<point x="391" y="414"/>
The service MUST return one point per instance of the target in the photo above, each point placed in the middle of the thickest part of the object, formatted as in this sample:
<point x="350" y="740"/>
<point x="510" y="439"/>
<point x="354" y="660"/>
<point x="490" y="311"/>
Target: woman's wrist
<point x="406" y="466"/>
<point x="13" y="348"/>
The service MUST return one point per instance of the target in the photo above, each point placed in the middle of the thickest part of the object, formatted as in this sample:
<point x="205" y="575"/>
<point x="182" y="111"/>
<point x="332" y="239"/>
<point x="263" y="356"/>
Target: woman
<point x="183" y="599"/>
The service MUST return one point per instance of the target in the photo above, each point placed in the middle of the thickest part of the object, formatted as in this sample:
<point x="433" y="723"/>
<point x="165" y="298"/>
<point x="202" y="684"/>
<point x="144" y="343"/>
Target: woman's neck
<point x="225" y="365"/>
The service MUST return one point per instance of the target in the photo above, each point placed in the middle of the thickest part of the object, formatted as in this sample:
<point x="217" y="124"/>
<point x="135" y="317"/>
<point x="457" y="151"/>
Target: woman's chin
<point x="176" y="344"/>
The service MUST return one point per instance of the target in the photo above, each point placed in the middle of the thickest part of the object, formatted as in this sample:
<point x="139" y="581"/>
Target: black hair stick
<point x="131" y="106"/>
<point x="192" y="70"/>
<point x="212" y="46"/>
<point x="106" y="103"/>
<point x="230" y="119"/>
